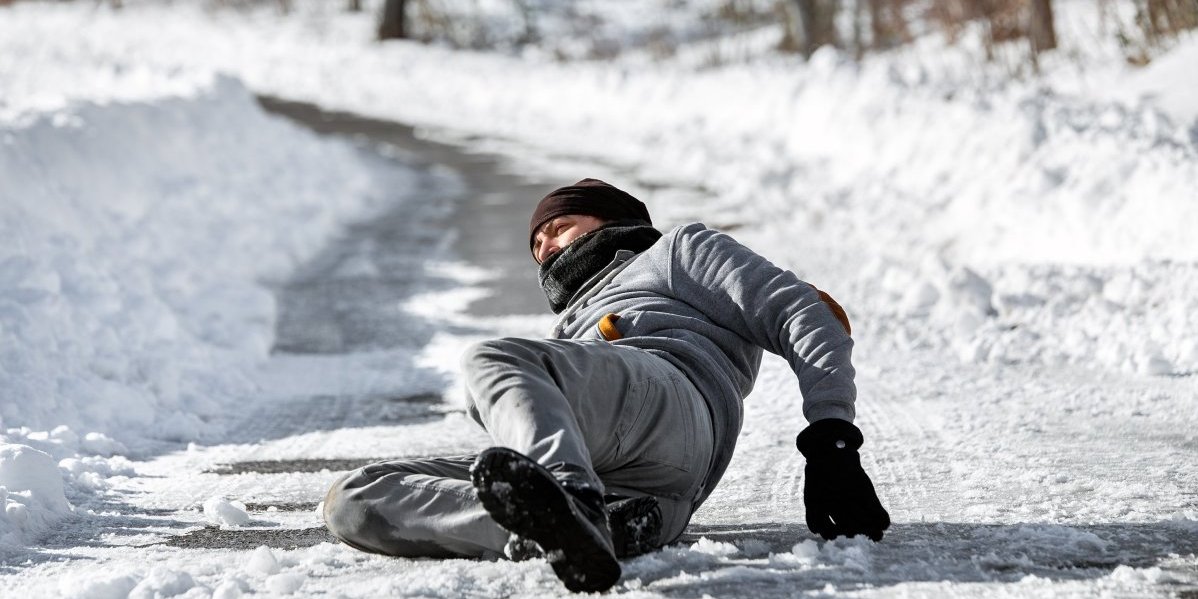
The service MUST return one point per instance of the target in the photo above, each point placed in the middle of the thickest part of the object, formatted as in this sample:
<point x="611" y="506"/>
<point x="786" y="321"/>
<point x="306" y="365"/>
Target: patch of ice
<point x="754" y="547"/>
<point x="1064" y="537"/>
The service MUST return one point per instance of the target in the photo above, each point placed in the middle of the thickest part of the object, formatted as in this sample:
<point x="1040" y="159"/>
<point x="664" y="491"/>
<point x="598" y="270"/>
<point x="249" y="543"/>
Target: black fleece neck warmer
<point x="563" y="273"/>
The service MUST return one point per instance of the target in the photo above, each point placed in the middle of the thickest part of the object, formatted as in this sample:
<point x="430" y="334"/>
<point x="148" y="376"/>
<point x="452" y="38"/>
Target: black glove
<point x="838" y="495"/>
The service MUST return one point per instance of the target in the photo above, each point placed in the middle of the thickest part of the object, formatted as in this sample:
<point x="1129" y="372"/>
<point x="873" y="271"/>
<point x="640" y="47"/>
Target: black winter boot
<point x="635" y="529"/>
<point x="567" y="520"/>
<point x="635" y="524"/>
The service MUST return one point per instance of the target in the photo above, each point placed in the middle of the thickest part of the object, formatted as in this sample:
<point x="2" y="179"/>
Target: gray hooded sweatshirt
<point x="710" y="305"/>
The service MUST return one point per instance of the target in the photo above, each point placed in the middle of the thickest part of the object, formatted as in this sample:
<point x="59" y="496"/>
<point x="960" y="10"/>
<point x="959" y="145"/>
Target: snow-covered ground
<point x="1018" y="258"/>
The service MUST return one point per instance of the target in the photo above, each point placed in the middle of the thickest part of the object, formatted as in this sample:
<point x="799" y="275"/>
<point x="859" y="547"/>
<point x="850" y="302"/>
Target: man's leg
<point x="596" y="412"/>
<point x="413" y="508"/>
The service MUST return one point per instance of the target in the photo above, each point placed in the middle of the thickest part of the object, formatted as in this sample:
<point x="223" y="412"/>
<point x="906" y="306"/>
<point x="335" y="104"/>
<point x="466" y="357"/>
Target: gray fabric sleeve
<point x="771" y="308"/>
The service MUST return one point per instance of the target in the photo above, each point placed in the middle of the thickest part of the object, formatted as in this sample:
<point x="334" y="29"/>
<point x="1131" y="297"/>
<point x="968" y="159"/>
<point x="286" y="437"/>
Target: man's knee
<point x="371" y="510"/>
<point x="344" y="515"/>
<point x="481" y="354"/>
<point x="483" y="361"/>
<point x="350" y="515"/>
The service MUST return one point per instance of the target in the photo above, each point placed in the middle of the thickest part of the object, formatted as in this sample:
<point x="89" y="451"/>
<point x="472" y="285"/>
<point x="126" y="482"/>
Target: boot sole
<point x="524" y="498"/>
<point x="635" y="526"/>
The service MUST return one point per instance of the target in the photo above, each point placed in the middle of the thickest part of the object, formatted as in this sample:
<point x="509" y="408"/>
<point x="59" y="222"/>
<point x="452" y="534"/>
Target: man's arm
<point x="743" y="292"/>
<point x="770" y="307"/>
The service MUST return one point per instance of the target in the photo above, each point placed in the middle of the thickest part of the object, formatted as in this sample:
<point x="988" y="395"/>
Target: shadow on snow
<point x="764" y="565"/>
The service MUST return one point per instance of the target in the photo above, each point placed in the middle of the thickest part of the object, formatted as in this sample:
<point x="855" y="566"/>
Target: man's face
<point x="557" y="233"/>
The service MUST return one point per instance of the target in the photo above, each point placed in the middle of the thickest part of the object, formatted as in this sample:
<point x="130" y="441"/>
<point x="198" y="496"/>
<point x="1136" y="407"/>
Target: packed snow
<point x="1017" y="256"/>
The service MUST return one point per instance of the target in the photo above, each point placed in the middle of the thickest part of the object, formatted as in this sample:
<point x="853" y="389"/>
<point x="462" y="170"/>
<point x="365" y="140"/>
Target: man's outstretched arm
<point x="774" y="309"/>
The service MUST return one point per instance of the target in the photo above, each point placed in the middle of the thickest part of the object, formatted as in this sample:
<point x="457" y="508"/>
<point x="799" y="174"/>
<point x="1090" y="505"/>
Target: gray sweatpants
<point x="620" y="417"/>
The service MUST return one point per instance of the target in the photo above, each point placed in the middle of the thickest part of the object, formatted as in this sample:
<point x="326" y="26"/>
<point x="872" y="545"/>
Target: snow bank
<point x="138" y="238"/>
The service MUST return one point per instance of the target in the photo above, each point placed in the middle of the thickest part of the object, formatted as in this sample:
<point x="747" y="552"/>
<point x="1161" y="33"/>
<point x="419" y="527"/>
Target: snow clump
<point x="263" y="561"/>
<point x="105" y="585"/>
<point x="716" y="548"/>
<point x="286" y="583"/>
<point x="163" y="582"/>
<point x="224" y="513"/>
<point x="31" y="494"/>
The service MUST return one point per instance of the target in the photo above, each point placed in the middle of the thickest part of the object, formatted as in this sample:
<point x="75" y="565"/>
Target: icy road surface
<point x="1001" y="481"/>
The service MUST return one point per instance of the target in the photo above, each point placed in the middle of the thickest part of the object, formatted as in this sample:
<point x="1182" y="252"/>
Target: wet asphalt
<point x="486" y="220"/>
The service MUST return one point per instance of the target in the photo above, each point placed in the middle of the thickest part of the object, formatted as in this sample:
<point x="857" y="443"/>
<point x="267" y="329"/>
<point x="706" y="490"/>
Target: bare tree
<point x="528" y="15"/>
<point x="1164" y="18"/>
<point x="810" y="24"/>
<point x="391" y="24"/>
<point x="354" y="6"/>
<point x="1001" y="21"/>
<point x="887" y="26"/>
<point x="1041" y="30"/>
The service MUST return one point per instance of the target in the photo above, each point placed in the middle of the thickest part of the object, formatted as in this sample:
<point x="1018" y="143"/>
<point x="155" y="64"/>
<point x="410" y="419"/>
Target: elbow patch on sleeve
<point x="837" y="311"/>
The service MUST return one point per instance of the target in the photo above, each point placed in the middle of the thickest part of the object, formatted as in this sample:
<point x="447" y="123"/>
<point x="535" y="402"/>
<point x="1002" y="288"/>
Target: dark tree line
<point x="856" y="26"/>
<point x="883" y="24"/>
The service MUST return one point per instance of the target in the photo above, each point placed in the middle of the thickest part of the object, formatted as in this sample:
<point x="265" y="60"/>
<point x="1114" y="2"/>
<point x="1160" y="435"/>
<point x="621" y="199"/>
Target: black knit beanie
<point x="590" y="197"/>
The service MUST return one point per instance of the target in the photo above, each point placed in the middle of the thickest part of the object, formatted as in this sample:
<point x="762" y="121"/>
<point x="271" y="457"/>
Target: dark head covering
<point x="590" y="197"/>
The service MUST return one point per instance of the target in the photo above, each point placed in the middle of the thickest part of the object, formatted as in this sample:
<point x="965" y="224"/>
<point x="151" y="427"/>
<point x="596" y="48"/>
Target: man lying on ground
<point x="613" y="431"/>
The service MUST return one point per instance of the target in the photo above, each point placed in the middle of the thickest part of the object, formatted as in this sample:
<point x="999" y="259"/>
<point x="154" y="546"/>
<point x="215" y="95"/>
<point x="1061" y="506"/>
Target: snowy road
<point x="1016" y="254"/>
<point x="1002" y="480"/>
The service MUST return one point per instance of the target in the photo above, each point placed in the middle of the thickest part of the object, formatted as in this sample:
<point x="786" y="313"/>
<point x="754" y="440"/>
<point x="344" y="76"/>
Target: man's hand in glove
<point x="838" y="495"/>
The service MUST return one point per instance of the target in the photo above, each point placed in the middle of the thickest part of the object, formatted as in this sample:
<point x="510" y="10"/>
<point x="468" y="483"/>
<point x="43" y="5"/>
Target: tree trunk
<point x="391" y="26"/>
<point x="859" y="29"/>
<point x="877" y="25"/>
<point x="528" y="15"/>
<point x="811" y="24"/>
<point x="1041" y="31"/>
<point x="354" y="6"/>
